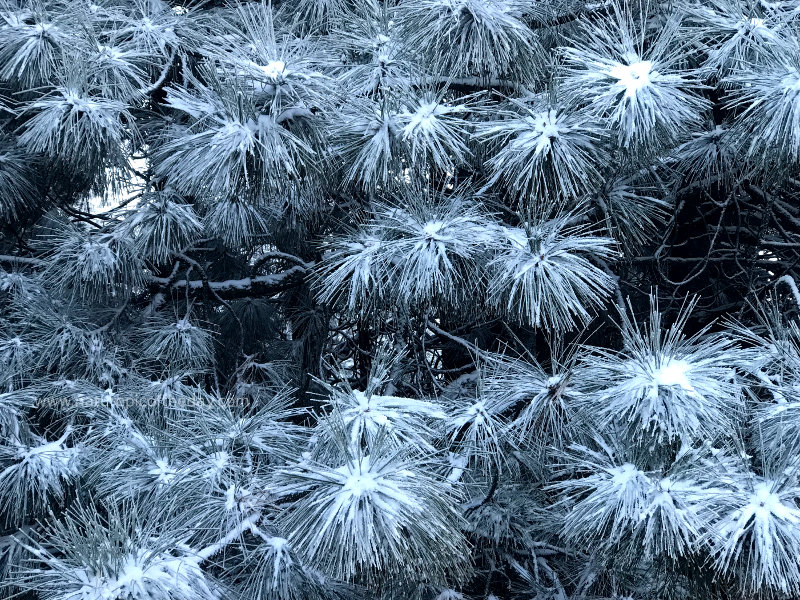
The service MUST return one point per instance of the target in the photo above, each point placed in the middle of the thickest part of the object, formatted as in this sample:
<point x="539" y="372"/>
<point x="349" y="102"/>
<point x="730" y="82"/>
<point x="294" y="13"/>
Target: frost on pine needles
<point x="91" y="265"/>
<point x="83" y="131"/>
<point x="758" y="535"/>
<point x="35" y="471"/>
<point x="736" y="34"/>
<point x="226" y="145"/>
<point x="490" y="36"/>
<point x="422" y="251"/>
<point x="546" y="274"/>
<point x="163" y="225"/>
<point x="313" y="300"/>
<point x="770" y="105"/>
<point x="545" y="403"/>
<point x="403" y="420"/>
<point x="669" y="385"/>
<point x="436" y="131"/>
<point x="121" y="556"/>
<point x="633" y="81"/>
<point x="373" y="510"/>
<point x="616" y="503"/>
<point x="544" y="150"/>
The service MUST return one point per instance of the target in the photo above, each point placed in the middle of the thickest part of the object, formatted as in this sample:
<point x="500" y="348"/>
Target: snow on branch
<point x="260" y="285"/>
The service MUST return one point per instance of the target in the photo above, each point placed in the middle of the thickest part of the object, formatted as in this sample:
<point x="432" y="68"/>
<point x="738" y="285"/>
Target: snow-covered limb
<point x="247" y="524"/>
<point x="260" y="285"/>
<point x="460" y="341"/>
<point x="258" y="261"/>
<point x="21" y="260"/>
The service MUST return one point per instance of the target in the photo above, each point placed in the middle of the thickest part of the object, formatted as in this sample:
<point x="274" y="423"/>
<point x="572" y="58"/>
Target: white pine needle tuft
<point x="668" y="385"/>
<point x="161" y="226"/>
<point x="546" y="275"/>
<point x="466" y="37"/>
<point x="34" y="472"/>
<point x="634" y="82"/>
<point x="758" y="536"/>
<point x="544" y="151"/>
<point x="369" y="512"/>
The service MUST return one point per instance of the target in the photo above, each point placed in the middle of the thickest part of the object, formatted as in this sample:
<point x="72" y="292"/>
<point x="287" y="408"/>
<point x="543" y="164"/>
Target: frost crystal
<point x="634" y="76"/>
<point x="545" y="130"/>
<point x="163" y="471"/>
<point x="672" y="372"/>
<point x="274" y="70"/>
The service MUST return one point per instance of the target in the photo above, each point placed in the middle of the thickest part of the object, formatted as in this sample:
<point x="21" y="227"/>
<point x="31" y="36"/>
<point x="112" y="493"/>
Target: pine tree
<point x="399" y="299"/>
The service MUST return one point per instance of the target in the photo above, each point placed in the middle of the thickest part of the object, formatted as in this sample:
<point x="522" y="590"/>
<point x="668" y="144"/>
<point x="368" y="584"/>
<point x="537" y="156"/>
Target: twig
<point x="233" y="534"/>
<point x="22" y="260"/>
<point x="159" y="83"/>
<point x="457" y="340"/>
<point x="789" y="280"/>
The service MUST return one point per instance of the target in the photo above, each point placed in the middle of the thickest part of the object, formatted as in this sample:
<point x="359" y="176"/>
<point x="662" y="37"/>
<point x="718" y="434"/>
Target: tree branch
<point x="262" y="285"/>
<point x="159" y="83"/>
<point x="21" y="260"/>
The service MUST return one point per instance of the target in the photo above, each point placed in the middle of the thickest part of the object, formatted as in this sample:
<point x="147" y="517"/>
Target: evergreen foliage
<point x="399" y="299"/>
